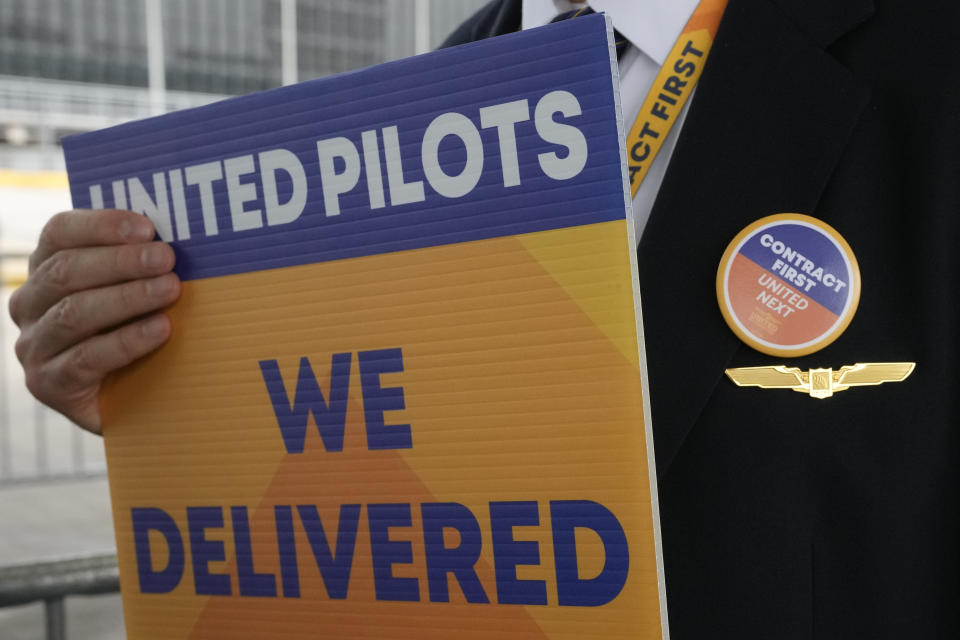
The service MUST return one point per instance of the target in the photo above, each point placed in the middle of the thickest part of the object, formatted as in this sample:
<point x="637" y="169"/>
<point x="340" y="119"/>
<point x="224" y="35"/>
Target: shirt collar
<point x="652" y="26"/>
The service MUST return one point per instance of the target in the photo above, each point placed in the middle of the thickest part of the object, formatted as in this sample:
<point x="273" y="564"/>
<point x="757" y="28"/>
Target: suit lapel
<point x="768" y="123"/>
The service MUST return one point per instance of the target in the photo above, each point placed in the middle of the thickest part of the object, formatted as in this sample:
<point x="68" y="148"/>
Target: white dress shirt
<point x="652" y="27"/>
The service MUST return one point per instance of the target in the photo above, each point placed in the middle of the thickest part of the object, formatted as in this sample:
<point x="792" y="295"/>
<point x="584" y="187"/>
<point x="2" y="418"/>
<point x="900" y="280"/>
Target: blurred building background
<point x="75" y="65"/>
<point x="68" y="66"/>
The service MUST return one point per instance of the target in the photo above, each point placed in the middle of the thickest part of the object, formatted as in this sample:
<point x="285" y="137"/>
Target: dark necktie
<point x="618" y="39"/>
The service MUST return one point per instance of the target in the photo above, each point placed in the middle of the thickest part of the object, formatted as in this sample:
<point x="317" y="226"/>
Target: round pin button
<point x="788" y="285"/>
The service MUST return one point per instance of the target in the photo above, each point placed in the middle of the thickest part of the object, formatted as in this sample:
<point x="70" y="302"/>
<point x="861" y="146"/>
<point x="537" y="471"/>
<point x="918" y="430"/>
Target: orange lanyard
<point x="671" y="89"/>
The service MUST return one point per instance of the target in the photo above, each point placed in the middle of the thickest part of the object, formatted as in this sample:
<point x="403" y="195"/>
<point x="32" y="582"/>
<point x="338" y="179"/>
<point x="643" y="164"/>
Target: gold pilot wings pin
<point x="821" y="383"/>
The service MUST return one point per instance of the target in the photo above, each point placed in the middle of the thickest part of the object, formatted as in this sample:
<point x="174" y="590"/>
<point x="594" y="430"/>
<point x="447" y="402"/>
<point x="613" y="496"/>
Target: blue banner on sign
<point x="451" y="146"/>
<point x="806" y="259"/>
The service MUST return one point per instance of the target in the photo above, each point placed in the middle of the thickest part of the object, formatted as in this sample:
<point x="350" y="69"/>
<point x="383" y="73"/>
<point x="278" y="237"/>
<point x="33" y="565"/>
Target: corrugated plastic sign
<point x="405" y="395"/>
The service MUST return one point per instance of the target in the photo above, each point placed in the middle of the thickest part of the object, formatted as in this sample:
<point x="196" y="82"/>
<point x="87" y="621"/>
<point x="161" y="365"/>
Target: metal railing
<point x="52" y="582"/>
<point x="81" y="106"/>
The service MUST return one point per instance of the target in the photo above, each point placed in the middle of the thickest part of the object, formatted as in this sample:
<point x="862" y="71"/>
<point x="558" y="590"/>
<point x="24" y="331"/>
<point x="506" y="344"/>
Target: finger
<point x="90" y="228"/>
<point x="71" y="270"/>
<point x="81" y="315"/>
<point x="69" y="381"/>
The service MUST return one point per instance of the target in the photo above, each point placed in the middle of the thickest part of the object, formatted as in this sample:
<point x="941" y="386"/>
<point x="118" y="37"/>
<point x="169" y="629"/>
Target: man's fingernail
<point x="137" y="229"/>
<point x="154" y="256"/>
<point x="155" y="327"/>
<point x="160" y="287"/>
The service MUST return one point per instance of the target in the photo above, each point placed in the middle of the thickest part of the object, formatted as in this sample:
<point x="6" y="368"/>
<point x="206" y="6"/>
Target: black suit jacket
<point x="784" y="516"/>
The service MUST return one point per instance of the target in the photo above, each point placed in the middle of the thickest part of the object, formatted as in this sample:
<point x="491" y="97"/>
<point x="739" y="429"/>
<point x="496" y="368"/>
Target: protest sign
<point x="405" y="395"/>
